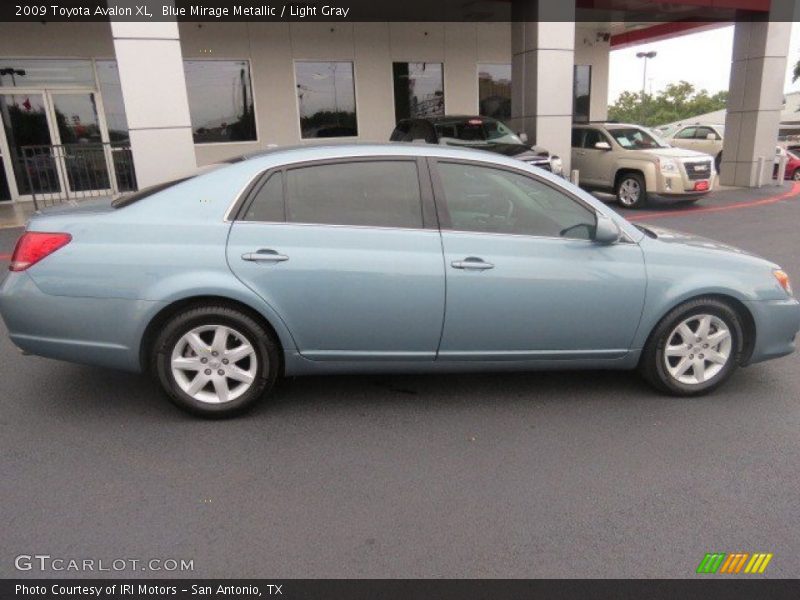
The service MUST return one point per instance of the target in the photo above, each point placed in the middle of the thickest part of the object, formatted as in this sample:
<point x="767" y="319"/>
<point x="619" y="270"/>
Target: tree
<point x="796" y="74"/>
<point x="675" y="102"/>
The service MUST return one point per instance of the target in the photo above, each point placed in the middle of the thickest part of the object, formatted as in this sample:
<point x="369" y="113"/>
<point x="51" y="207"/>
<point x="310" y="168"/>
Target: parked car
<point x="703" y="137"/>
<point x="482" y="133"/>
<point x="321" y="260"/>
<point x="792" y="166"/>
<point x="637" y="165"/>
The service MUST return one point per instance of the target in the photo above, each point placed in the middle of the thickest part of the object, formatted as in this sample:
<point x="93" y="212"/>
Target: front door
<point x="342" y="252"/>
<point x="524" y="279"/>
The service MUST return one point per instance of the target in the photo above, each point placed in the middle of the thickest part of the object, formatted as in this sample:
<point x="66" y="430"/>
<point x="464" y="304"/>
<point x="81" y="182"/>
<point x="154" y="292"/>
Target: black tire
<point x="652" y="364"/>
<point x="622" y="181"/>
<point x="718" y="161"/>
<point x="796" y="175"/>
<point x="263" y="343"/>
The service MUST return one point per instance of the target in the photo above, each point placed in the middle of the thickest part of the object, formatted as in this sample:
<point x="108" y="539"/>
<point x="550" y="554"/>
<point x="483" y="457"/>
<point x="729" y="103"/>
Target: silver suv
<point x="635" y="164"/>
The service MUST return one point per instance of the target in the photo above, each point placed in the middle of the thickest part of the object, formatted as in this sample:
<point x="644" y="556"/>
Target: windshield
<point x="636" y="138"/>
<point x="476" y="131"/>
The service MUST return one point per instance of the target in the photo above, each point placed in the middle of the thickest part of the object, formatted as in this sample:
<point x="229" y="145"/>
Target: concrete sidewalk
<point x="15" y="214"/>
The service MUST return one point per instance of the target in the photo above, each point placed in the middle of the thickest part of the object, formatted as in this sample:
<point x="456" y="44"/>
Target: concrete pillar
<point x="755" y="97"/>
<point x="542" y="62"/>
<point x="150" y="66"/>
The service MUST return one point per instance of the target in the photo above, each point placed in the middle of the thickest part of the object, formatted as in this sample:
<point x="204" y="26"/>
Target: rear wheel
<point x="694" y="349"/>
<point x="215" y="361"/>
<point x="630" y="190"/>
<point x="796" y="175"/>
<point x="718" y="161"/>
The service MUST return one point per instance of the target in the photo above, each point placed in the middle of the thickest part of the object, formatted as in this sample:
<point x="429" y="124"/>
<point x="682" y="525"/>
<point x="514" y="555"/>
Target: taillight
<point x="33" y="246"/>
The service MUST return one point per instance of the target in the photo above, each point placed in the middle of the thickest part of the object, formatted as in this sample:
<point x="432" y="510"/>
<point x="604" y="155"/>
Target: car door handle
<point x="472" y="263"/>
<point x="264" y="256"/>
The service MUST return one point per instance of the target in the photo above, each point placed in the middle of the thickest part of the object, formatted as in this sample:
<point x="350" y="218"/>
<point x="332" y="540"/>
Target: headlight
<point x="783" y="280"/>
<point x="668" y="166"/>
<point x="556" y="166"/>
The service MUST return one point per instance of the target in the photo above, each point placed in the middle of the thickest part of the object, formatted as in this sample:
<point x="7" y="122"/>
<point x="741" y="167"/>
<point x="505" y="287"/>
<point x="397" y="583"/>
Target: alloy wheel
<point x="214" y="364"/>
<point x="629" y="192"/>
<point x="698" y="349"/>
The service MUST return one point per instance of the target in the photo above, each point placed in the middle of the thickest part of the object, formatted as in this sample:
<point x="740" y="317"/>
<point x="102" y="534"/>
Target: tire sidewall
<point x="660" y="338"/>
<point x="266" y="354"/>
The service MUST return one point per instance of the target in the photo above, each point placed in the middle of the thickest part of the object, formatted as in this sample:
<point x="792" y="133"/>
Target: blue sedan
<point x="383" y="258"/>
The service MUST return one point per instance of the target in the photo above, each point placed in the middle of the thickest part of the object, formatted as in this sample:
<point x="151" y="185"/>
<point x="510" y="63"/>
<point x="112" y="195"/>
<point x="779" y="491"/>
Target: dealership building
<point x="109" y="107"/>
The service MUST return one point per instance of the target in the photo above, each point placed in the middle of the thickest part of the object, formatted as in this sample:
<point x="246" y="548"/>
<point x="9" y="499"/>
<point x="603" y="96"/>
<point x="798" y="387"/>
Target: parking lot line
<point x="795" y="190"/>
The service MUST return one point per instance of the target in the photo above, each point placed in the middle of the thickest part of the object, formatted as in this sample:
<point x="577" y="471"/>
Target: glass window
<point x="703" y="133"/>
<point x="577" y="138"/>
<point x="492" y="200"/>
<point x="494" y="91"/>
<point x="593" y="136"/>
<point x="635" y="138"/>
<point x="113" y="105"/>
<point x="418" y="90"/>
<point x="377" y="193"/>
<point x="45" y="72"/>
<point x="267" y="205"/>
<point x="220" y="100"/>
<point x="581" y="93"/>
<point x="686" y="134"/>
<point x="327" y="99"/>
<point x="483" y="130"/>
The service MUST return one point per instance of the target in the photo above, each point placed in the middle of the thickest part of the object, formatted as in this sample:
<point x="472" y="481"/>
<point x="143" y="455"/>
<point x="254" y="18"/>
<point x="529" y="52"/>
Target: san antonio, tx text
<point x="99" y="591"/>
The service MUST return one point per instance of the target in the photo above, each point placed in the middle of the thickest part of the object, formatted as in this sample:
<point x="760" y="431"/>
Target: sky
<point x="703" y="59"/>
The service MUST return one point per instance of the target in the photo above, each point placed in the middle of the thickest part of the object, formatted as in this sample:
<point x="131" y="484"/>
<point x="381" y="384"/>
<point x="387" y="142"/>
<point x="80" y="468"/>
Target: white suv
<point x="705" y="138"/>
<point x="635" y="164"/>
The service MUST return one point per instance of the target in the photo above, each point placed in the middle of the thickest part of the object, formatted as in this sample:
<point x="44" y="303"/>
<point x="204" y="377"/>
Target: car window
<point x="702" y="133"/>
<point x="492" y="200"/>
<point x="267" y="204"/>
<point x="381" y="193"/>
<point x="421" y="130"/>
<point x="686" y="134"/>
<point x="593" y="136"/>
<point x="577" y="138"/>
<point x="400" y="131"/>
<point x="635" y="138"/>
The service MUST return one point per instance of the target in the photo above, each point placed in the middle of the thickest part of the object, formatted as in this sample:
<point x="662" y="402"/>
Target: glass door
<point x="25" y="119"/>
<point x="80" y="140"/>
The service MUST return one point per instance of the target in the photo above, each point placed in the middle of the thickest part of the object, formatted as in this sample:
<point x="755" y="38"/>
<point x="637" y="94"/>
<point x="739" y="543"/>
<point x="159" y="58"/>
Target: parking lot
<point x="560" y="474"/>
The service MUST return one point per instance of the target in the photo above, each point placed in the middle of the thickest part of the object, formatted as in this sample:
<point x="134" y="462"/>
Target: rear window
<point x="124" y="201"/>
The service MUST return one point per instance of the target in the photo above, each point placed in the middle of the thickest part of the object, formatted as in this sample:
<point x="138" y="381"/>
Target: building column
<point x="755" y="97"/>
<point x="151" y="74"/>
<point x="542" y="63"/>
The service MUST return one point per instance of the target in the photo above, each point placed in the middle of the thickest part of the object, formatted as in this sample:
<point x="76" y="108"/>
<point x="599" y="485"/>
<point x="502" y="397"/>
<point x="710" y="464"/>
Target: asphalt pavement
<point x="561" y="474"/>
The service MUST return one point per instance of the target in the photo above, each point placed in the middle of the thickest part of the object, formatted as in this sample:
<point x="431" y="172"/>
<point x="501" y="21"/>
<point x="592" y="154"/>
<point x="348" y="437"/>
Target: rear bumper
<point x="98" y="331"/>
<point x="777" y="324"/>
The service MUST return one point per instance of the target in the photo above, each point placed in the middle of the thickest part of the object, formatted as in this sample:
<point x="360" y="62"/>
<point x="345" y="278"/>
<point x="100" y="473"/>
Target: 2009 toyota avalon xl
<point x="383" y="258"/>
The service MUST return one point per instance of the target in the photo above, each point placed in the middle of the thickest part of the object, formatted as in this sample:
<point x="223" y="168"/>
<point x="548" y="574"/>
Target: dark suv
<point x="483" y="133"/>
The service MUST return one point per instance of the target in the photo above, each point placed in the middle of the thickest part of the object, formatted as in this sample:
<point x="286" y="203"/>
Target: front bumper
<point x="98" y="331"/>
<point x="777" y="324"/>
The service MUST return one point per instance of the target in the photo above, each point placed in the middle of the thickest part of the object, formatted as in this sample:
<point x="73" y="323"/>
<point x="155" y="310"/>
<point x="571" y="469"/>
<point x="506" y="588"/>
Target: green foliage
<point x="676" y="102"/>
<point x="796" y="73"/>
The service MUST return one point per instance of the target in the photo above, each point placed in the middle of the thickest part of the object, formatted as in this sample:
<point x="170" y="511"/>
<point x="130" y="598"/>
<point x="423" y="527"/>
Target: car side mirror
<point x="711" y="136"/>
<point x="602" y="146"/>
<point x="607" y="231"/>
<point x="523" y="136"/>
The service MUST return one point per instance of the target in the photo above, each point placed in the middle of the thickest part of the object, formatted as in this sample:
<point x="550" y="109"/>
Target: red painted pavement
<point x="794" y="191"/>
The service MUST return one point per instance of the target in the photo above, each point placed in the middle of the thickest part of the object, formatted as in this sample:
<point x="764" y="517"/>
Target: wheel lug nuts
<point x="204" y="360"/>
<point x="705" y="345"/>
<point x="208" y="371"/>
<point x="224" y="361"/>
<point x="701" y="356"/>
<point x="691" y="356"/>
<point x="215" y="353"/>
<point x="220" y="372"/>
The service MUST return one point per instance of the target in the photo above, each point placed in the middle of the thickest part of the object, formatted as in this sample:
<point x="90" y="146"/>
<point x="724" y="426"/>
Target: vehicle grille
<point x="698" y="170"/>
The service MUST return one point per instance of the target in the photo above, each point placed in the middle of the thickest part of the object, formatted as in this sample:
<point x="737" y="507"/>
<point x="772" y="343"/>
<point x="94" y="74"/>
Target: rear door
<point x="348" y="253"/>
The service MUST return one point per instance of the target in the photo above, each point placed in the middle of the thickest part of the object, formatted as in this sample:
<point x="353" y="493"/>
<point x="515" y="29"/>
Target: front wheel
<point x="215" y="361"/>
<point x="630" y="190"/>
<point x="694" y="349"/>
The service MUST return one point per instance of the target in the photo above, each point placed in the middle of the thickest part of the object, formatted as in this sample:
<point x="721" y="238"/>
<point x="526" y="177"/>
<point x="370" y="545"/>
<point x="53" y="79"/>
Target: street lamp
<point x="645" y="56"/>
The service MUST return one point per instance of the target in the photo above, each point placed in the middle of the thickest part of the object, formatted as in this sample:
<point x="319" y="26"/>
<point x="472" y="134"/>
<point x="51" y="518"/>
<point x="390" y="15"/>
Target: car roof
<point x="441" y="118"/>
